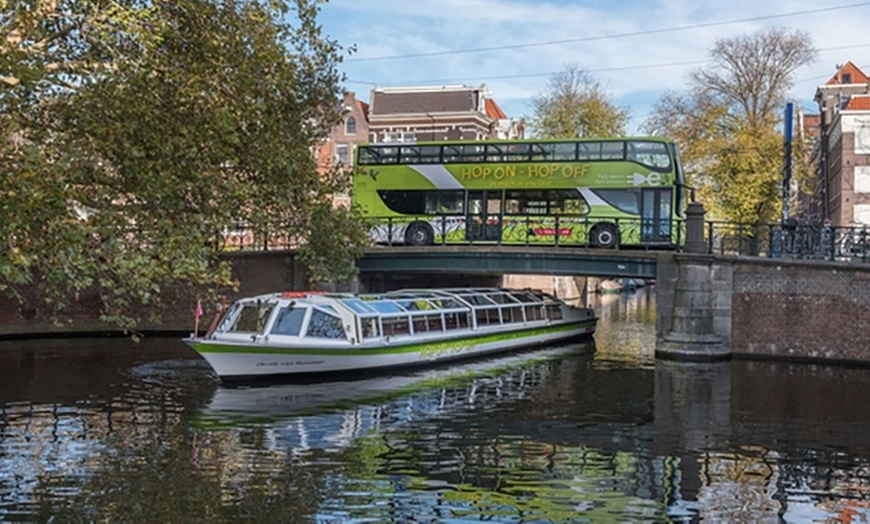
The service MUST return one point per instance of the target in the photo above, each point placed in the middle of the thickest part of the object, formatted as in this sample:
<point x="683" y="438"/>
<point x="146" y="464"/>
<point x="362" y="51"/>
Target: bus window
<point x="589" y="151"/>
<point x="526" y="202"/>
<point x="512" y="204"/>
<point x="430" y="203"/>
<point x="653" y="155"/>
<point x="452" y="155"/>
<point x="452" y="202"/>
<point x="367" y="155"/>
<point x="410" y="155"/>
<point x="430" y="154"/>
<point x="494" y="153"/>
<point x="471" y="153"/>
<point x="517" y="152"/>
<point x="567" y="202"/>
<point x="555" y="151"/>
<point x="612" y="150"/>
<point x="405" y="202"/>
<point x="385" y="154"/>
<point x="626" y="200"/>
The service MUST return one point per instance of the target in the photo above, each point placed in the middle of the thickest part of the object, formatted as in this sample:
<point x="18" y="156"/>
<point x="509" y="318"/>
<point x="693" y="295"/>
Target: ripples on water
<point x="108" y="430"/>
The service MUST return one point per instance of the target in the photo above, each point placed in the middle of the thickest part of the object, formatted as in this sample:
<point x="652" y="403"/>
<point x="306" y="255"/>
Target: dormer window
<point x="350" y="126"/>
<point x="847" y="78"/>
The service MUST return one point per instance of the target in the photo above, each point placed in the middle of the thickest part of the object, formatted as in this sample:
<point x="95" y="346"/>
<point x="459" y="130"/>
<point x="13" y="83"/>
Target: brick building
<point x="843" y="152"/>
<point x="416" y="114"/>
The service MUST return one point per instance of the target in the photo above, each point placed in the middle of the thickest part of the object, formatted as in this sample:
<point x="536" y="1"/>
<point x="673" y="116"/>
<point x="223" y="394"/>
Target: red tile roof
<point x="856" y="75"/>
<point x="858" y="103"/>
<point x="364" y="107"/>
<point x="493" y="110"/>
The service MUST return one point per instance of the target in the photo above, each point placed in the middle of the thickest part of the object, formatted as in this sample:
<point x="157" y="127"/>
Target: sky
<point x="636" y="49"/>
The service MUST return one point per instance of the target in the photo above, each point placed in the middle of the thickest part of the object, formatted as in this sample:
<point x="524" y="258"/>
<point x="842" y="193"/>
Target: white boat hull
<point x="252" y="360"/>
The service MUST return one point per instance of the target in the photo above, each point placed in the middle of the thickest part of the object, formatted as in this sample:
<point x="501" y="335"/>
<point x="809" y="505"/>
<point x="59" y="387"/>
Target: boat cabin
<point x="365" y="318"/>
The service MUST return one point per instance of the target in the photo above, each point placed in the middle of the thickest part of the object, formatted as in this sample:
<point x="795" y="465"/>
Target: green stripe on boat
<point x="423" y="347"/>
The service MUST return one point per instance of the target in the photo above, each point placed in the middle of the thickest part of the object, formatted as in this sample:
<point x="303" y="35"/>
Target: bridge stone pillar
<point x="685" y="297"/>
<point x="695" y="228"/>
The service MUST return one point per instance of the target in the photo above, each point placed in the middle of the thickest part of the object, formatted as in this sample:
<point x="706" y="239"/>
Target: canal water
<point x="112" y="430"/>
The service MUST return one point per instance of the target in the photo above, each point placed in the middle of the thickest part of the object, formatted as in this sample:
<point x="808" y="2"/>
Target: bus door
<point x="656" y="216"/>
<point x="483" y="220"/>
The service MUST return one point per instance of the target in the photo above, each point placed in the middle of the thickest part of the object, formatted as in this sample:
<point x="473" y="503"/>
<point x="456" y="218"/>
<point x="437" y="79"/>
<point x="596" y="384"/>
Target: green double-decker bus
<point x="590" y="192"/>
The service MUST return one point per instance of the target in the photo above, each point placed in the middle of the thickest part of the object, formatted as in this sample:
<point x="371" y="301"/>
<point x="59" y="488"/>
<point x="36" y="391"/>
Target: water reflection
<point x="111" y="430"/>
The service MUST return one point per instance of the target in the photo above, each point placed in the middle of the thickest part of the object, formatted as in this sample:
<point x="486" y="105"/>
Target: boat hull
<point x="251" y="361"/>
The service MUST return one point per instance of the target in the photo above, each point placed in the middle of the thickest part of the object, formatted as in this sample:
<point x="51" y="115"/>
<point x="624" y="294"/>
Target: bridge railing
<point x="796" y="241"/>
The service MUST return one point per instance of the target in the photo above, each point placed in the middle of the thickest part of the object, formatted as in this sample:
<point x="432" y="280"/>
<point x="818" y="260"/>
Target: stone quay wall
<point x="766" y="308"/>
<point x="257" y="273"/>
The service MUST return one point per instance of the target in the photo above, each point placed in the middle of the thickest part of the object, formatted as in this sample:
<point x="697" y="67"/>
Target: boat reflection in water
<point x="330" y="415"/>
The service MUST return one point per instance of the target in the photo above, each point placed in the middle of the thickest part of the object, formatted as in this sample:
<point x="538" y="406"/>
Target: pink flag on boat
<point x="198" y="309"/>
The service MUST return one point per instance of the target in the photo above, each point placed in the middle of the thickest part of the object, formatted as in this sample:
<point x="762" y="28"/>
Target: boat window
<point x="554" y="312"/>
<point x="456" y="320"/>
<point x="534" y="313"/>
<point x="251" y="319"/>
<point x="396" y="326"/>
<point x="513" y="314"/>
<point x="525" y="296"/>
<point x="357" y="305"/>
<point x="476" y="300"/>
<point x="386" y="306"/>
<point x="446" y="303"/>
<point x="289" y="321"/>
<point x="229" y="317"/>
<point x="487" y="316"/>
<point x="426" y="323"/>
<point x="324" y="325"/>
<point x="370" y="327"/>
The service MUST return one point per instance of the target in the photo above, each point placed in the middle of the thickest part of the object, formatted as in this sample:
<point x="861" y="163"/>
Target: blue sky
<point x="636" y="49"/>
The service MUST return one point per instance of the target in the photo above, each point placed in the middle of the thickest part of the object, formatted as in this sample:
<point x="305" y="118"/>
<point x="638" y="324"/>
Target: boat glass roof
<point x="434" y="300"/>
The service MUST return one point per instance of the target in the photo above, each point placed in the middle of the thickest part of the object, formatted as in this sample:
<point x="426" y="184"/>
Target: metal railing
<point x="795" y="241"/>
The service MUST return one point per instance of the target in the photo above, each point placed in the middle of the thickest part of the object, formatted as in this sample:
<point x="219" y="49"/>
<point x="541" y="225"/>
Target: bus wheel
<point x="419" y="234"/>
<point x="604" y="236"/>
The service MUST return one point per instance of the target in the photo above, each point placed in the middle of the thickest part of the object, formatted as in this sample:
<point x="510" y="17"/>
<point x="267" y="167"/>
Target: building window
<point x="341" y="155"/>
<point x="847" y="78"/>
<point x="350" y="126"/>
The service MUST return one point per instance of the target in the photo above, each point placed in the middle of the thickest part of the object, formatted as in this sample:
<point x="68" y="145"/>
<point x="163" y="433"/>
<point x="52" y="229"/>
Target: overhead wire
<point x="604" y="37"/>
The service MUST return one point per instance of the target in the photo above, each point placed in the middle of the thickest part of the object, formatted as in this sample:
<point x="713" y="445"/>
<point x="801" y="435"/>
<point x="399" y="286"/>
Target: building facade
<point x="416" y="114"/>
<point x="843" y="152"/>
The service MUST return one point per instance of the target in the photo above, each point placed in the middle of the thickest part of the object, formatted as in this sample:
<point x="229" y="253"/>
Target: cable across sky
<point x="605" y="37"/>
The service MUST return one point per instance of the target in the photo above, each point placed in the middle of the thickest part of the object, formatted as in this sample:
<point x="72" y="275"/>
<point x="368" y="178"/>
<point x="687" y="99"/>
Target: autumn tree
<point x="727" y="124"/>
<point x="135" y="133"/>
<point x="576" y="105"/>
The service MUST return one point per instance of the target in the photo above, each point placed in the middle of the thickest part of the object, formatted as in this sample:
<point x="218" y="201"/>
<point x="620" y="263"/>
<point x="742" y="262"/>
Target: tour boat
<point x="307" y="333"/>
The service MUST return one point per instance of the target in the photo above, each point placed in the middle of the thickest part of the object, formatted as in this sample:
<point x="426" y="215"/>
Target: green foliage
<point x="134" y="133"/>
<point x="575" y="105"/>
<point x="727" y="125"/>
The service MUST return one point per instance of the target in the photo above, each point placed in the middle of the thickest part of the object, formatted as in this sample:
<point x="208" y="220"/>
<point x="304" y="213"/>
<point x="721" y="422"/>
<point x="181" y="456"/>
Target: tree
<point x="727" y="124"/>
<point x="576" y="105"/>
<point x="135" y="133"/>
